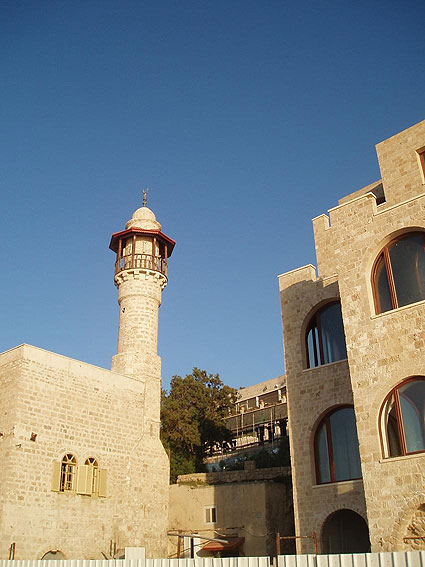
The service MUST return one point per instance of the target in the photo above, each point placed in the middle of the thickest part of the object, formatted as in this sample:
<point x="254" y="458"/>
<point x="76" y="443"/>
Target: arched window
<point x="68" y="469"/>
<point x="398" y="276"/>
<point x="325" y="336"/>
<point x="402" y="419"/>
<point x="336" y="447"/>
<point x="93" y="463"/>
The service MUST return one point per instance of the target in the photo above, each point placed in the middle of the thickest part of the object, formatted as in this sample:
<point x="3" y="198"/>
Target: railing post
<point x="278" y="543"/>
<point x="143" y="261"/>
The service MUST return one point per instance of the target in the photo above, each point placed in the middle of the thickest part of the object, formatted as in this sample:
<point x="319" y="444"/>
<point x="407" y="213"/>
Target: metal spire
<point x="145" y="191"/>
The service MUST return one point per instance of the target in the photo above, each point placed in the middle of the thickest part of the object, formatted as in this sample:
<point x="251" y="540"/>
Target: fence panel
<point x="384" y="559"/>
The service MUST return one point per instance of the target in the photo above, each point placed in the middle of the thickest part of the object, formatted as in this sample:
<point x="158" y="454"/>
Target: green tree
<point x="193" y="419"/>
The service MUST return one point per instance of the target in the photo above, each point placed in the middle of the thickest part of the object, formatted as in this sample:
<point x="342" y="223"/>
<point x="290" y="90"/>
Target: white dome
<point x="143" y="218"/>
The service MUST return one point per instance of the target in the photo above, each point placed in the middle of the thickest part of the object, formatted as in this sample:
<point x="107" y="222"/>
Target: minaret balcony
<point x="141" y="262"/>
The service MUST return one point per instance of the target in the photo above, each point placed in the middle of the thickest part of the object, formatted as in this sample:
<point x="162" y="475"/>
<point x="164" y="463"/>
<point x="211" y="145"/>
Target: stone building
<point x="259" y="414"/>
<point x="258" y="420"/>
<point x="245" y="509"/>
<point x="354" y="341"/>
<point x="83" y="471"/>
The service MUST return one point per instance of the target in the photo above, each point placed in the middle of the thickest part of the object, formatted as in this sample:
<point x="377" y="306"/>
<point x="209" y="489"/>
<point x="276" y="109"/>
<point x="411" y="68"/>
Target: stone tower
<point x="140" y="275"/>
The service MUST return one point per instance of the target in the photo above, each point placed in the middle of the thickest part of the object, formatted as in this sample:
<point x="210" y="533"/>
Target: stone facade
<point x="251" y="504"/>
<point x="52" y="406"/>
<point x="383" y="349"/>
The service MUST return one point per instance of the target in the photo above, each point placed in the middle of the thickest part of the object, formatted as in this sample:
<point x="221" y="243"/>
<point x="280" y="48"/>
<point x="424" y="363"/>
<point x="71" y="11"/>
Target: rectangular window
<point x="210" y="515"/>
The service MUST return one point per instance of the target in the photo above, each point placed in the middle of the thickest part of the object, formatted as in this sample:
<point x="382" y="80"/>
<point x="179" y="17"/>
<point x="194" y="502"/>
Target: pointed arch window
<point x="325" y="339"/>
<point x="402" y="419"/>
<point x="336" y="447"/>
<point x="398" y="276"/>
<point x="68" y="470"/>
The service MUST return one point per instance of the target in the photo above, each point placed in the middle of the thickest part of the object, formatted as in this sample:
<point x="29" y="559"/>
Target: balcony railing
<point x="250" y="419"/>
<point x="143" y="262"/>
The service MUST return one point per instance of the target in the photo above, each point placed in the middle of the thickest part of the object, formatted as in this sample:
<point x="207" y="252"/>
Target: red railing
<point x="141" y="261"/>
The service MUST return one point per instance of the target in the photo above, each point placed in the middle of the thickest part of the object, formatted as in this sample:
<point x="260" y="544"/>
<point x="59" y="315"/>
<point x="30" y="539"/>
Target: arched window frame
<point x="325" y="421"/>
<point x="318" y="350"/>
<point x="385" y="255"/>
<point x="68" y="473"/>
<point x="400" y="425"/>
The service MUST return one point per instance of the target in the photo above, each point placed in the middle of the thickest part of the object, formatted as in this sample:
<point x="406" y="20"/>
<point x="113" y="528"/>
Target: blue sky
<point x="245" y="119"/>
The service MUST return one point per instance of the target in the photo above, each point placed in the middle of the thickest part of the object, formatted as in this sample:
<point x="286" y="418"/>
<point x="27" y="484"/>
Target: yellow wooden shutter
<point x="56" y="476"/>
<point x="84" y="479"/>
<point x="102" y="482"/>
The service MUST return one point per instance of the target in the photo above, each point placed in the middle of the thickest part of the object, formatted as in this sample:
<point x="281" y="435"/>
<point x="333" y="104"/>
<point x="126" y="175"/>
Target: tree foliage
<point x="192" y="419"/>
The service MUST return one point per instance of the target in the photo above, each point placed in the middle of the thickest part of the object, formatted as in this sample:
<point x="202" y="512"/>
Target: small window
<point x="325" y="336"/>
<point x="85" y="479"/>
<point x="402" y="419"/>
<point x="398" y="276"/>
<point x="336" y="447"/>
<point x="210" y="515"/>
<point x="68" y="469"/>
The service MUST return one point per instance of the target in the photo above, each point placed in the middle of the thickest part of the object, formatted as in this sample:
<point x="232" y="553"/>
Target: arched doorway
<point x="345" y="531"/>
<point x="53" y="554"/>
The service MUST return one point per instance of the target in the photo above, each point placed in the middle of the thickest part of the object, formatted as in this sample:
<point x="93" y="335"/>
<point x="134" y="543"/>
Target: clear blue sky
<point x="246" y="119"/>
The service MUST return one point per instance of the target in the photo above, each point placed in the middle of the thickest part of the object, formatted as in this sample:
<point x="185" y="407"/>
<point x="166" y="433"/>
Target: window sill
<point x="403" y="457"/>
<point x="339" y="483"/>
<point x="397" y="309"/>
<point x="325" y="365"/>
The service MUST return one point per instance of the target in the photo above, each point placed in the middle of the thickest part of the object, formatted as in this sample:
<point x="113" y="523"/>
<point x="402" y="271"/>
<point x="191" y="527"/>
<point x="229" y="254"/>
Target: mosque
<point x="84" y="473"/>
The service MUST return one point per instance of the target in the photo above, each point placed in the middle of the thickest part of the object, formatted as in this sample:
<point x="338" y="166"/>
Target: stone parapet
<point x="235" y="476"/>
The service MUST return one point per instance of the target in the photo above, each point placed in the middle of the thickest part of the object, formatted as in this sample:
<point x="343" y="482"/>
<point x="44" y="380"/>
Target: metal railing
<point x="141" y="261"/>
<point x="248" y="420"/>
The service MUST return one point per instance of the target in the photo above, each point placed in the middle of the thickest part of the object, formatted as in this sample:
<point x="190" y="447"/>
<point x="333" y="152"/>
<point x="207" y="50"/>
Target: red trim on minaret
<point x="117" y="236"/>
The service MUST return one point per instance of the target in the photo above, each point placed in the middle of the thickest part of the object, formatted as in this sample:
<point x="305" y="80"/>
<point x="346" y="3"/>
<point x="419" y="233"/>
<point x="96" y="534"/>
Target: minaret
<point x="140" y="276"/>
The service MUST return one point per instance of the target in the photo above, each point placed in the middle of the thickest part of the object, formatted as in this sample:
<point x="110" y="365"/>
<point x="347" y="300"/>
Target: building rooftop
<point x="261" y="388"/>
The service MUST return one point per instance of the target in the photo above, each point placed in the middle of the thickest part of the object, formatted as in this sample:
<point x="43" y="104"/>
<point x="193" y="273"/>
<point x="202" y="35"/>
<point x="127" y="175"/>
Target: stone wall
<point x="235" y="476"/>
<point x="76" y="408"/>
<point x="246" y="506"/>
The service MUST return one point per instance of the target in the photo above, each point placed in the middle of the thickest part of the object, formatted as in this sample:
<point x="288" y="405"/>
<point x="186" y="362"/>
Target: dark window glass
<point x="399" y="276"/>
<point x="332" y="331"/>
<point x="337" y="447"/>
<point x="325" y="336"/>
<point x="345" y="445"/>
<point x="412" y="400"/>
<point x="403" y="419"/>
<point x="408" y="267"/>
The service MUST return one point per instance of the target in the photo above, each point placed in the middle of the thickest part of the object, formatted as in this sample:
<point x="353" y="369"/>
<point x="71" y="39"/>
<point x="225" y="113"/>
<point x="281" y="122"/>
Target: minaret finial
<point x="145" y="191"/>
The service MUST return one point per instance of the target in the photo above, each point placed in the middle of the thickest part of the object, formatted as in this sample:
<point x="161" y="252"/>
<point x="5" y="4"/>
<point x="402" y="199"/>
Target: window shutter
<point x="102" y="482"/>
<point x="56" y="477"/>
<point x="84" y="479"/>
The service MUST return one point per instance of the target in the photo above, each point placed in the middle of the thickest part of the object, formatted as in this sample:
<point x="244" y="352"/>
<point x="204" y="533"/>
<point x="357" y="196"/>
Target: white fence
<point x="395" y="559"/>
<point x="389" y="559"/>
